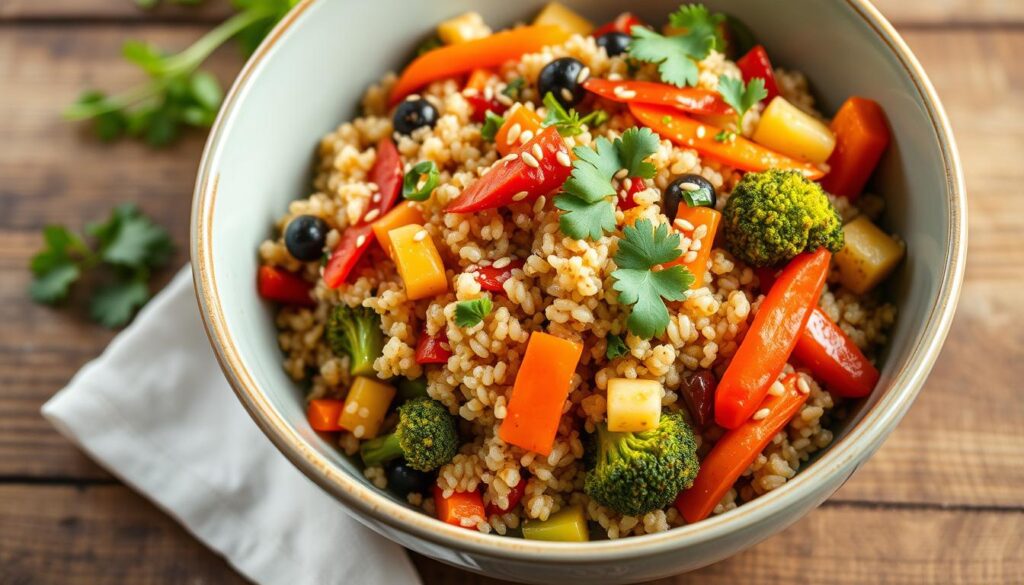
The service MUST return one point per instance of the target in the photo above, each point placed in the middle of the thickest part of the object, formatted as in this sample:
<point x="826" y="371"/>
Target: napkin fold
<point x="157" y="412"/>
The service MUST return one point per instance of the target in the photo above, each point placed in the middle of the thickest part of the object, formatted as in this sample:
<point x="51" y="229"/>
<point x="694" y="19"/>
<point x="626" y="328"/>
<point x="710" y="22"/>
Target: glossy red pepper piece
<point x="503" y="184"/>
<point x="481" y="105"/>
<point x="756" y="64"/>
<point x="623" y="23"/>
<point x="771" y="338"/>
<point x="629" y="201"/>
<point x="515" y="495"/>
<point x="493" y="279"/>
<point x="694" y="100"/>
<point x="355" y="241"/>
<point x="283" y="287"/>
<point x="429" y="349"/>
<point x="833" y="358"/>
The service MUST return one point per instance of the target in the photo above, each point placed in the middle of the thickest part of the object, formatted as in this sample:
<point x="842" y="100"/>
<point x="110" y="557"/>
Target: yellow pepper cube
<point x="419" y="263"/>
<point x="633" y="405"/>
<point x="558" y="15"/>
<point x="566" y="525"/>
<point x="791" y="131"/>
<point x="868" y="256"/>
<point x="463" y="28"/>
<point x="405" y="213"/>
<point x="365" y="407"/>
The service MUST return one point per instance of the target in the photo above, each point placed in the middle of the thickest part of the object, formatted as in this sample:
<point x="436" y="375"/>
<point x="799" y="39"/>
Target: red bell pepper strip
<point x="756" y="64"/>
<point x="283" y="287"/>
<point x="429" y="349"/>
<point x="688" y="99"/>
<point x="771" y="338"/>
<point x="739" y="152"/>
<point x="493" y="279"/>
<point x="629" y="201"/>
<point x="514" y="497"/>
<point x="387" y="173"/>
<point x="481" y="105"/>
<point x="490" y="51"/>
<point x="323" y="414"/>
<point x="505" y="183"/>
<point x="735" y="451"/>
<point x="862" y="135"/>
<point x="459" y="507"/>
<point x="833" y="358"/>
<point x="623" y="23"/>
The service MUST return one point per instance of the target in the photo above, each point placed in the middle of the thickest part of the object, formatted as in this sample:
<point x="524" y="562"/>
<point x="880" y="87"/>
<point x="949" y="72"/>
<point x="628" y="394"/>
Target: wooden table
<point x="942" y="501"/>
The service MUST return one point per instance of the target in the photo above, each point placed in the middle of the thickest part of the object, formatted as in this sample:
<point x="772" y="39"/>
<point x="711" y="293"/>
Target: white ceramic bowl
<point x="308" y="77"/>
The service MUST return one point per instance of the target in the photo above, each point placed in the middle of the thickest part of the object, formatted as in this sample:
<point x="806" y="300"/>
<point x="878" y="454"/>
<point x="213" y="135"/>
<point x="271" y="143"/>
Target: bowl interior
<point x="312" y="75"/>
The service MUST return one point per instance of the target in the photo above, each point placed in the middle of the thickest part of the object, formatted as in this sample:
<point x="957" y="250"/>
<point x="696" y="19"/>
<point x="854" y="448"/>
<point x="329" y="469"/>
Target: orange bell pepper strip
<point x="862" y="135"/>
<point x="688" y="99"/>
<point x="771" y="338"/>
<point x="698" y="216"/>
<point x="478" y="79"/>
<point x="528" y="120"/>
<point x="539" y="392"/>
<point x="458" y="507"/>
<point x="323" y="414"/>
<point x="740" y="153"/>
<point x="403" y="214"/>
<point x="492" y="51"/>
<point x="735" y="451"/>
<point x="834" y="358"/>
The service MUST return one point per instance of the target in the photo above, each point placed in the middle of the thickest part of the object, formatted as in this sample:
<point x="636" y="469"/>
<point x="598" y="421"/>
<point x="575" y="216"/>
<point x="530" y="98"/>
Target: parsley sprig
<point x="177" y="94"/>
<point x="741" y="96"/>
<point x="569" y="123"/>
<point x="588" y="212"/>
<point x="677" y="56"/>
<point x="641" y="284"/>
<point x="128" y="246"/>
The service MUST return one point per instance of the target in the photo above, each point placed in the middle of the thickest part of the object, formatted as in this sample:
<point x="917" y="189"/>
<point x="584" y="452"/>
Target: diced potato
<point x="633" y="405"/>
<point x="868" y="256"/>
<point x="418" y="261"/>
<point x="464" y="27"/>
<point x="557" y="14"/>
<point x="405" y="213"/>
<point x="365" y="406"/>
<point x="791" y="131"/>
<point x="566" y="525"/>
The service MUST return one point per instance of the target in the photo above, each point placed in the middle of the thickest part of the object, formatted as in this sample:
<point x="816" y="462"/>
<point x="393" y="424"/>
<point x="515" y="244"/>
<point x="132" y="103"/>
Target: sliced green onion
<point x="699" y="197"/>
<point x="416" y="188"/>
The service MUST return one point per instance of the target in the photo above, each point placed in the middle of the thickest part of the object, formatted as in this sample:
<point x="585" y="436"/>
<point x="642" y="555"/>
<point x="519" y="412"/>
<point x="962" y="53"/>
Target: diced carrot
<point x="323" y="414"/>
<point x="492" y="51"/>
<point x="478" y="79"/>
<point x="539" y="392"/>
<point x="528" y="121"/>
<point x="698" y="216"/>
<point x="834" y="358"/>
<point x="736" y="450"/>
<point x="459" y="506"/>
<point x="405" y="213"/>
<point x="862" y="135"/>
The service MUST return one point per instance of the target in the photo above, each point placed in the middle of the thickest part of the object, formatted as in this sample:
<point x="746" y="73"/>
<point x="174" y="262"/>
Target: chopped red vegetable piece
<point x="481" y="105"/>
<point x="514" y="497"/>
<point x="323" y="414"/>
<point x="354" y="243"/>
<point x="493" y="279"/>
<point x="694" y="100"/>
<point x="623" y="23"/>
<point x="756" y="64"/>
<point x="459" y="509"/>
<point x="430" y="349"/>
<point x="862" y="136"/>
<point x="833" y="358"/>
<point x="283" y="287"/>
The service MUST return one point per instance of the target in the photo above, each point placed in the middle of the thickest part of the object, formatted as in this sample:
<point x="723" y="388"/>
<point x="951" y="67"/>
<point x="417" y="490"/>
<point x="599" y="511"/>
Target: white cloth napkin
<point x="156" y="411"/>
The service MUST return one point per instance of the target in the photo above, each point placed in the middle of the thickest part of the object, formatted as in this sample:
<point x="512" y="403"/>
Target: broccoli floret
<point x="356" y="332"/>
<point x="774" y="215"/>
<point x="635" y="473"/>
<point x="425" y="437"/>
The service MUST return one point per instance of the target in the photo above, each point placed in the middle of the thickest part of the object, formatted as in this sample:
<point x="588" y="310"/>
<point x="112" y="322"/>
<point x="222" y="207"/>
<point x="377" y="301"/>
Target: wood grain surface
<point x="942" y="501"/>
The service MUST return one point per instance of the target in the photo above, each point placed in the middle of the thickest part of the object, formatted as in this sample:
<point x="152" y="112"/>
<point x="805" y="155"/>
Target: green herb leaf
<point x="696" y="20"/>
<point x="615" y="346"/>
<point x="54" y="285"/>
<point x="56" y="268"/>
<point x="469" y="313"/>
<point x="113" y="305"/>
<point x="130" y="239"/>
<point x="569" y="123"/>
<point x="635" y="147"/>
<point x="593" y="170"/>
<point x="676" y="56"/>
<point x="641" y="249"/>
<point x="583" y="219"/>
<point x="492" y="123"/>
<point x="741" y="96"/>
<point x="415" y="187"/>
<point x="514" y="88"/>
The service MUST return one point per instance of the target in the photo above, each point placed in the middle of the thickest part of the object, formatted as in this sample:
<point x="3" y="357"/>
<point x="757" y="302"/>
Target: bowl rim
<point x="362" y="500"/>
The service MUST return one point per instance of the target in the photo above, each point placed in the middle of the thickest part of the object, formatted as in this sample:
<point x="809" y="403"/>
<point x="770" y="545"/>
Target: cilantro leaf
<point x="130" y="239"/>
<point x="114" y="304"/>
<point x="569" y="123"/>
<point x="635" y="146"/>
<point x="615" y="346"/>
<point x="54" y="285"/>
<point x="514" y="88"/>
<point x="469" y="313"/>
<point x="584" y="219"/>
<point x="55" y="268"/>
<point x="676" y="56"/>
<point x="741" y="96"/>
<point x="492" y="122"/>
<point x="696" y="20"/>
<point x="641" y="249"/>
<point x="592" y="171"/>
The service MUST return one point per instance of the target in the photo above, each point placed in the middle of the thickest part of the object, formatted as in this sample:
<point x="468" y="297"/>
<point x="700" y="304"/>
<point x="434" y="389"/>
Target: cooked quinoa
<point x="564" y="287"/>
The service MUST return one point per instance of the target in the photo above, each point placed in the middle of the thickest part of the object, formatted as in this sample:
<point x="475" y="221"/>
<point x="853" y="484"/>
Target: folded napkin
<point x="156" y="411"/>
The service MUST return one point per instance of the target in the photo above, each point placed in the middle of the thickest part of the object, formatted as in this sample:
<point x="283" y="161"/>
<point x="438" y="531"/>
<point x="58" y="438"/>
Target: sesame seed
<point x="701" y="231"/>
<point x="446" y="346"/>
<point x="359" y="431"/>
<point x="701" y="131"/>
<point x="762" y="414"/>
<point x="513" y="133"/>
<point x="621" y="92"/>
<point x="525" y="137"/>
<point x="563" y="159"/>
<point x="657" y="268"/>
<point x="690" y="257"/>
<point x="803" y="386"/>
<point x="470" y="92"/>
<point x="538" y="152"/>
<point x="530" y="161"/>
<point x="420" y="236"/>
<point x="360" y="241"/>
<point x="371" y="215"/>
<point x="412" y="96"/>
<point x="776" y="389"/>
<point x="683" y="224"/>
<point x="520" y="196"/>
<point x="512" y="156"/>
<point x="488" y="93"/>
<point x="583" y="75"/>
<point x="695" y="245"/>
<point x="539" y="204"/>
<point x="627" y="183"/>
<point x="364" y="412"/>
<point x="566" y="94"/>
<point x="614" y="77"/>
<point x="623" y="194"/>
<point x="622" y="174"/>
<point x="688" y="186"/>
<point x="504" y="99"/>
<point x="352" y="407"/>
<point x="502" y="262"/>
<point x="375" y="198"/>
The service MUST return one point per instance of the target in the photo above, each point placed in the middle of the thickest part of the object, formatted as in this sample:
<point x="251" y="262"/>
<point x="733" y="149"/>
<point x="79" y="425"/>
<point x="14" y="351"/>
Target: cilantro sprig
<point x="641" y="283"/>
<point x="469" y="313"/>
<point x="741" y="96"/>
<point x="177" y="93"/>
<point x="588" y="212"/>
<point x="569" y="123"/>
<point x="492" y="123"/>
<point x="615" y="346"/>
<point x="128" y="246"/>
<point x="677" y="55"/>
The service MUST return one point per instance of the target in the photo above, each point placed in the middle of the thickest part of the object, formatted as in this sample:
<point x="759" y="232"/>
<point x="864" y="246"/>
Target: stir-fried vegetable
<point x="323" y="414"/>
<point x="699" y="224"/>
<point x="755" y="65"/>
<point x="566" y="525"/>
<point x="868" y="256"/>
<point x="634" y="405"/>
<point x="793" y="132"/>
<point x="366" y="406"/>
<point x="432" y="349"/>
<point x="418" y="261"/>
<point x="355" y="332"/>
<point x="521" y="122"/>
<point x="558" y="15"/>
<point x="405" y="213"/>
<point x="283" y="287"/>
<point x="463" y="509"/>
<point x="462" y="29"/>
<point x="425" y="437"/>
<point x="694" y="100"/>
<point x="862" y="135"/>
<point x="834" y="359"/>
